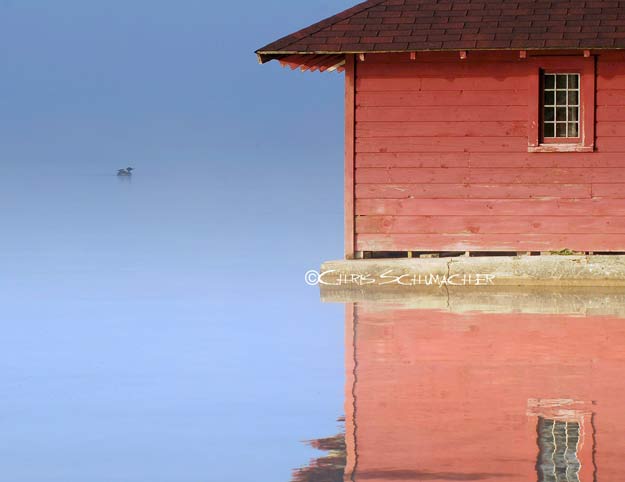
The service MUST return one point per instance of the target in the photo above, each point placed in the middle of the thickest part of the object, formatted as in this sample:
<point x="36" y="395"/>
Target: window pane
<point x="561" y="98"/>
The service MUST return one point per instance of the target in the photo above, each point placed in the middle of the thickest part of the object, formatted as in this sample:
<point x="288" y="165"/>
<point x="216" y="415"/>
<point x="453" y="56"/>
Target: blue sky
<point x="160" y="329"/>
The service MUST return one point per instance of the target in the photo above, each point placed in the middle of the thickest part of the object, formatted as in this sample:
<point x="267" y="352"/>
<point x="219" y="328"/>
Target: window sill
<point x="560" y="148"/>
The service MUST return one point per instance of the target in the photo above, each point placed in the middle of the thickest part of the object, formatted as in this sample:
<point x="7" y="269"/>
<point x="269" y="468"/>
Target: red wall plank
<point x="437" y="144"/>
<point x="611" y="129"/>
<point x="610" y="113"/>
<point x="442" y="113"/>
<point x="491" y="207"/>
<point x="612" y="191"/>
<point x="487" y="224"/>
<point x="614" y="97"/>
<point x="441" y="76"/>
<point x="498" y="175"/>
<point x="611" y="144"/>
<point x="485" y="191"/>
<point x="443" y="129"/>
<point x="436" y="98"/>
<point x="489" y="159"/>
<point x="494" y="242"/>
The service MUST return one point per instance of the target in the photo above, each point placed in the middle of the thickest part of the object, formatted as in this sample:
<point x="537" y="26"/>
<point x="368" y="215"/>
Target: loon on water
<point x="125" y="172"/>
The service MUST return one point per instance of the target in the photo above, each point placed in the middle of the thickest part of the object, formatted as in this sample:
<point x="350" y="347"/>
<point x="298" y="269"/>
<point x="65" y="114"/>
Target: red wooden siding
<point x="438" y="393"/>
<point x="442" y="161"/>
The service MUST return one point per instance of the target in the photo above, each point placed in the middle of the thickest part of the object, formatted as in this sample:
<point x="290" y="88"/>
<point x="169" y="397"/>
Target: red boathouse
<point x="477" y="125"/>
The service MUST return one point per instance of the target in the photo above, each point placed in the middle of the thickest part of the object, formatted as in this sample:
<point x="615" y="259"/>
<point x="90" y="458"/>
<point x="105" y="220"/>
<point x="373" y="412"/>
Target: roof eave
<point x="265" y="56"/>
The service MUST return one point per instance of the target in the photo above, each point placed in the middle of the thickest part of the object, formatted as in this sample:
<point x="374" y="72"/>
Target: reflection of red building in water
<point x="505" y="397"/>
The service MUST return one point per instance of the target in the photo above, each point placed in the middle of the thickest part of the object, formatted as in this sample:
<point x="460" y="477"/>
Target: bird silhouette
<point x="125" y="172"/>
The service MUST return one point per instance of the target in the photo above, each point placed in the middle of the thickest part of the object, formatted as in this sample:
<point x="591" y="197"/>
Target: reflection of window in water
<point x="558" y="443"/>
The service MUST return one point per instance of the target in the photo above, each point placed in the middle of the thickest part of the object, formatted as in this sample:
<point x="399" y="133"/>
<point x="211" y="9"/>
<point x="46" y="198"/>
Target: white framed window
<point x="561" y="107"/>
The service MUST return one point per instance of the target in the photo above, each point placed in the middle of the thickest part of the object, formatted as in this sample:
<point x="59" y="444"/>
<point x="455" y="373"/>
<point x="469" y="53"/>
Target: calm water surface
<point x="143" y="340"/>
<point x="140" y="344"/>
<point x="441" y="396"/>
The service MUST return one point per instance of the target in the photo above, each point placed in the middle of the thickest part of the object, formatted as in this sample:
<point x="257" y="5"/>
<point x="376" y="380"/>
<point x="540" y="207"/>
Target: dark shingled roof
<point x="418" y="25"/>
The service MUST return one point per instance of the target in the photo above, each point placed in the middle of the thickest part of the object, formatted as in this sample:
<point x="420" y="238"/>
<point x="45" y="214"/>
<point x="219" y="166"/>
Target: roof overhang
<point x="323" y="62"/>
<point x="335" y="61"/>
